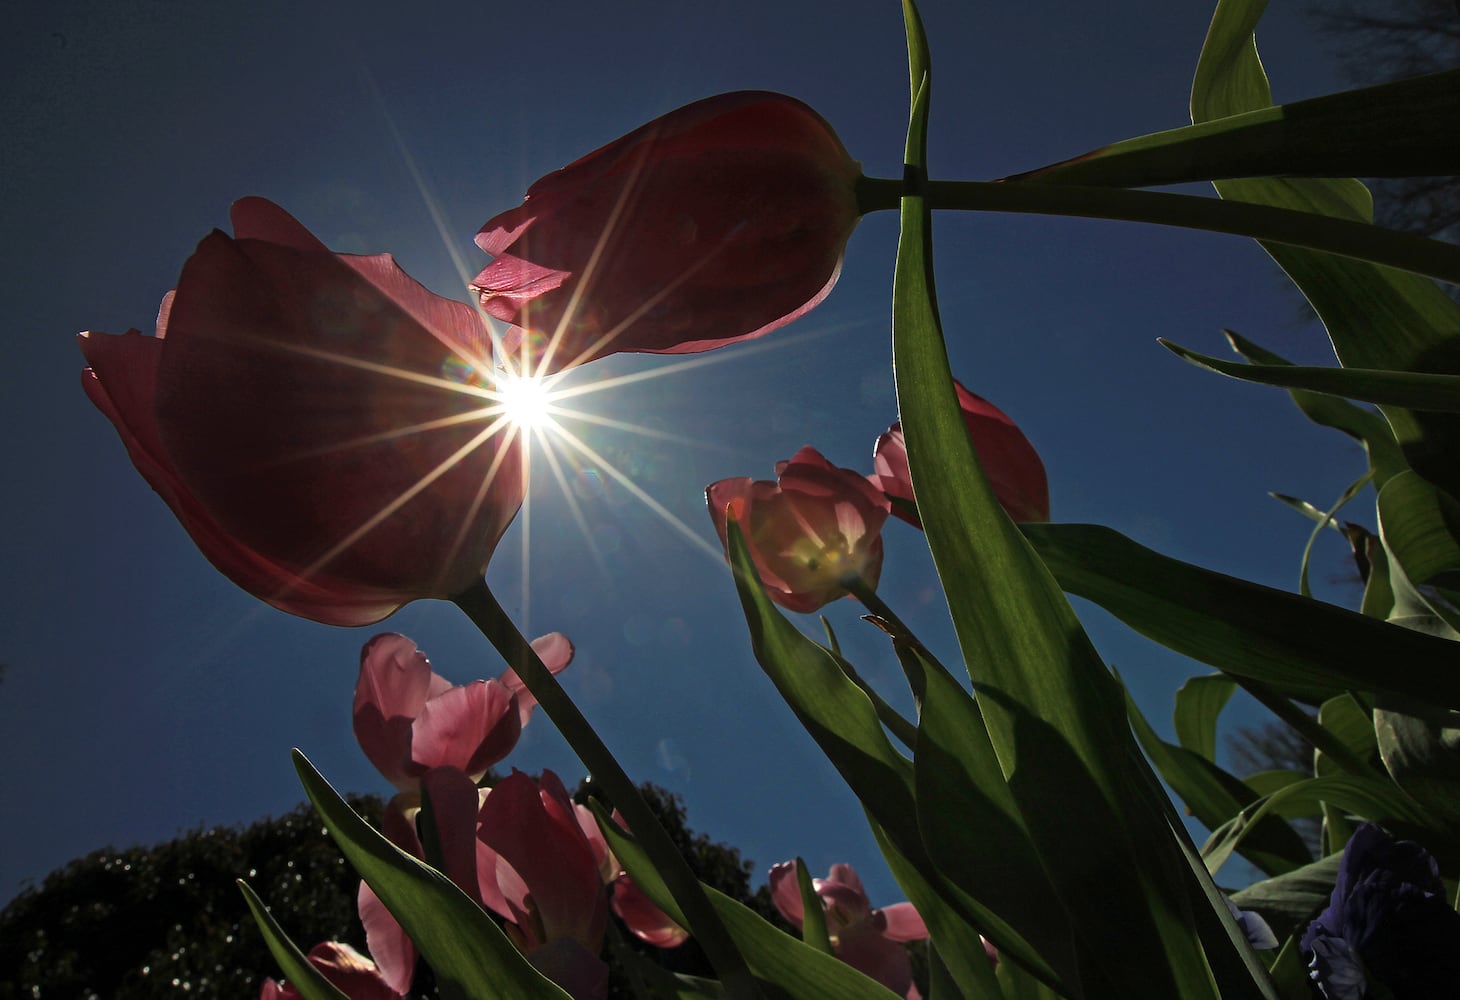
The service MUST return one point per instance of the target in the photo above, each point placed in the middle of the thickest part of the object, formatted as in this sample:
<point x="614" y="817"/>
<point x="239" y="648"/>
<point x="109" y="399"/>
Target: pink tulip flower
<point x="455" y="801"/>
<point x="349" y="971"/>
<point x="715" y="223"/>
<point x="316" y="422"/>
<point x="539" y="871"/>
<point x="644" y="920"/>
<point x="409" y="719"/>
<point x="1009" y="460"/>
<point x="811" y="533"/>
<point x="870" y="941"/>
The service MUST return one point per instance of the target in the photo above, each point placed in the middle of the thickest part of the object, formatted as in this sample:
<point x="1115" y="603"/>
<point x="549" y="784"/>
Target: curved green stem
<point x="481" y="606"/>
<point x="1358" y="240"/>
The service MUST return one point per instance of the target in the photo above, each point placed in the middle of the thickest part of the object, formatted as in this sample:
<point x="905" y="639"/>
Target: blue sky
<point x="145" y="695"/>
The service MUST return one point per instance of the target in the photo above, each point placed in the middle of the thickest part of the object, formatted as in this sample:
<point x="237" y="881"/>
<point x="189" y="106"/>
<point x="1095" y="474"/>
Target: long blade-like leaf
<point x="1377" y="318"/>
<point x="1303" y="648"/>
<point x="1358" y="422"/>
<point x="1213" y="796"/>
<point x="1051" y="707"/>
<point x="464" y="945"/>
<point x="301" y="974"/>
<point x="1408" y="128"/>
<point x="1199" y="703"/>
<point x="784" y="966"/>
<point x="1376" y="799"/>
<point x="840" y="718"/>
<point x="1416" y="390"/>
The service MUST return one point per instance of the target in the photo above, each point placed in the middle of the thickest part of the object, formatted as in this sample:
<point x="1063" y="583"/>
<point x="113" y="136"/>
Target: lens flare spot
<point x="455" y="369"/>
<point x="525" y="400"/>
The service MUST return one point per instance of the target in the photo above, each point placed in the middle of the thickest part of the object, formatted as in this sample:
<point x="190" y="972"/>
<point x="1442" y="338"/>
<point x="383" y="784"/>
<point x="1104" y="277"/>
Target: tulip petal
<point x="470" y="728"/>
<point x="808" y="533"/>
<point x="454" y="804"/>
<point x="256" y="218"/>
<point x="121" y="381"/>
<point x="643" y="919"/>
<point x="716" y="223"/>
<point x="786" y="893"/>
<point x="312" y="421"/>
<point x="902" y="922"/>
<point x="556" y="652"/>
<point x="393" y="950"/>
<point x="532" y="831"/>
<point x="390" y="693"/>
<point x="1012" y="465"/>
<point x="844" y="874"/>
<point x="864" y="948"/>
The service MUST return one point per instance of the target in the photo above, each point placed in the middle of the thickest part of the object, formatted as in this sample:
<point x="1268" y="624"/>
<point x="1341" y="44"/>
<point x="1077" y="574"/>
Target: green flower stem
<point x="1358" y="240"/>
<point x="481" y="606"/>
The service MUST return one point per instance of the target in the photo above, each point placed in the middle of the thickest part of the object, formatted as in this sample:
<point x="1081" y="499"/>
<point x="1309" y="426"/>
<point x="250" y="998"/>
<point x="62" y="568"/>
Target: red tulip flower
<point x="409" y="719"/>
<point x="316" y="421"/>
<point x="350" y="972"/>
<point x="716" y="223"/>
<point x="1008" y="459"/>
<point x="811" y="533"/>
<point x="868" y="940"/>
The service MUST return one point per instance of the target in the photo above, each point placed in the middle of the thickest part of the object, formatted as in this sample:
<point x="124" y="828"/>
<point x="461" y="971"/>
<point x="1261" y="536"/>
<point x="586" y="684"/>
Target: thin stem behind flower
<point x="481" y="606"/>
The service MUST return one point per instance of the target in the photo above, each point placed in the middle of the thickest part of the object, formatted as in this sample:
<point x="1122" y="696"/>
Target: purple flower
<point x="1388" y="922"/>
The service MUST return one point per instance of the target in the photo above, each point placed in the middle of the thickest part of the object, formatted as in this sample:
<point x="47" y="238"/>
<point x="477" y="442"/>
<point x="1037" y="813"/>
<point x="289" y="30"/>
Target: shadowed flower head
<point x="1388" y="921"/>
<point x="716" y="223"/>
<point x="1009" y="460"/>
<point x="870" y="941"/>
<point x="810" y="533"/>
<point x="316" y="421"/>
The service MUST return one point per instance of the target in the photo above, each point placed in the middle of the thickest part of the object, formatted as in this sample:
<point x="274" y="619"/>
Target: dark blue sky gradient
<point x="144" y="694"/>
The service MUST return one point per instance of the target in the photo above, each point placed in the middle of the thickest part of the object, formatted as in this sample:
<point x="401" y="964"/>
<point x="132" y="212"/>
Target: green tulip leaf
<point x="1377" y="318"/>
<point x="1360" y="423"/>
<point x="1047" y="699"/>
<point x="1266" y="782"/>
<point x="782" y="965"/>
<point x="841" y="719"/>
<point x="1416" y="390"/>
<point x="1419" y="523"/>
<point x="465" y="947"/>
<point x="1289" y="901"/>
<point x="1289" y="970"/>
<point x="1213" y="796"/>
<point x="1352" y="725"/>
<point x="1299" y="647"/>
<point x="298" y="971"/>
<point x="813" y="922"/>
<point x="1199" y="702"/>
<point x="1408" y="128"/>
<point x="1376" y="799"/>
<point x="954" y="939"/>
<point x="1423" y="758"/>
<point x="970" y="824"/>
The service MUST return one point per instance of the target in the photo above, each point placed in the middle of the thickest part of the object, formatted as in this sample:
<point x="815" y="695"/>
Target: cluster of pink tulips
<point x="332" y="436"/>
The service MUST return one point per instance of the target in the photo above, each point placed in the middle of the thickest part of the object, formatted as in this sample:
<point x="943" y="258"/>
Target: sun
<point x="526" y="400"/>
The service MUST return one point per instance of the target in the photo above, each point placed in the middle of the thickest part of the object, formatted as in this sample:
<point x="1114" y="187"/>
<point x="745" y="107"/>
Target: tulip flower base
<point x="340" y="442"/>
